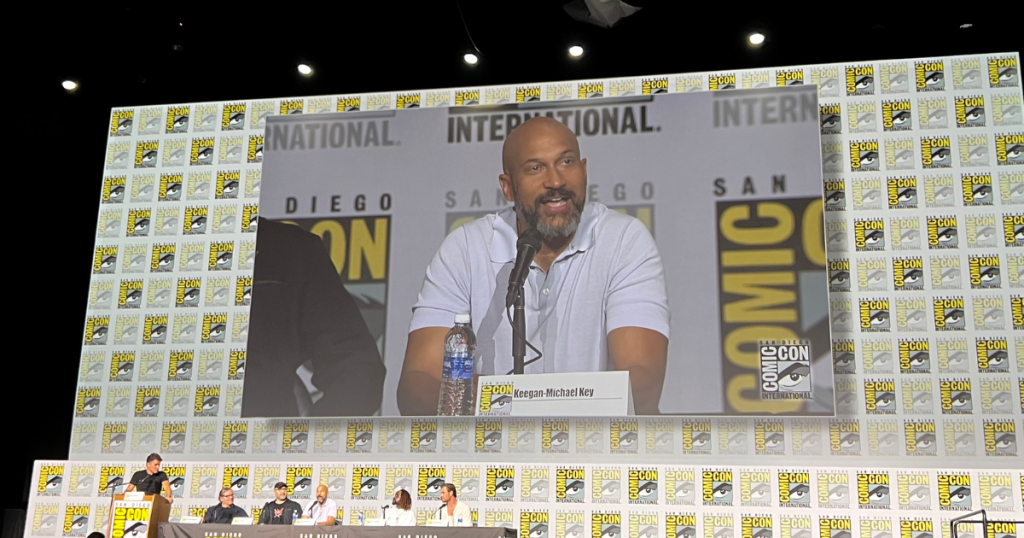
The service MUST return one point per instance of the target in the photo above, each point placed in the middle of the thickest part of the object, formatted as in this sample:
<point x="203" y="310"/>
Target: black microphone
<point x="527" y="247"/>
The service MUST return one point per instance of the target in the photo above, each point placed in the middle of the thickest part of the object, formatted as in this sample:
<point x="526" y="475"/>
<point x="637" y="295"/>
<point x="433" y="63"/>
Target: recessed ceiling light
<point x="69" y="85"/>
<point x="756" y="38"/>
<point x="575" y="51"/>
<point x="305" y="69"/>
<point x="471" y="58"/>
<point x="966" y="25"/>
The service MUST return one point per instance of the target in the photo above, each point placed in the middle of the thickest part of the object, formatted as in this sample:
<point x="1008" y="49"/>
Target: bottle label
<point x="458" y="366"/>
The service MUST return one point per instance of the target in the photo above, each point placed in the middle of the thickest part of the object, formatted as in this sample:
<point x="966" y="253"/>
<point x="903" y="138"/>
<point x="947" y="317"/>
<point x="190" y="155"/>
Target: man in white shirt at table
<point x="321" y="509"/>
<point x="454" y="513"/>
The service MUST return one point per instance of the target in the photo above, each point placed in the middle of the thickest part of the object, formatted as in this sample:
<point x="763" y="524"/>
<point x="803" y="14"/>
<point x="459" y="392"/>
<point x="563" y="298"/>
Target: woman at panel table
<point x="401" y="514"/>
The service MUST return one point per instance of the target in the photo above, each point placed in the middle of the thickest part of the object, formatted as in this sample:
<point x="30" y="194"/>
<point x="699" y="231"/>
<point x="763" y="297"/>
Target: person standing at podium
<point x="151" y="479"/>
<point x="321" y="509"/>
<point x="455" y="513"/>
<point x="282" y="510"/>
<point x="401" y="514"/>
<point x="226" y="511"/>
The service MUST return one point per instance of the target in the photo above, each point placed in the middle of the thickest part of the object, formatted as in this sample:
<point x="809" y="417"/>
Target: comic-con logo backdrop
<point x="728" y="183"/>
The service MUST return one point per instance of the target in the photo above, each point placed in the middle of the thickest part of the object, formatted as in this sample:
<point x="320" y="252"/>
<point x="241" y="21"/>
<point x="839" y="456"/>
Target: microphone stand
<point x="518" y="333"/>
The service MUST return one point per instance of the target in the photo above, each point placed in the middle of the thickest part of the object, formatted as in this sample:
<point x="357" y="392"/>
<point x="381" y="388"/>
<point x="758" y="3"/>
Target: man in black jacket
<point x="226" y="511"/>
<point x="282" y="510"/>
<point x="301" y="312"/>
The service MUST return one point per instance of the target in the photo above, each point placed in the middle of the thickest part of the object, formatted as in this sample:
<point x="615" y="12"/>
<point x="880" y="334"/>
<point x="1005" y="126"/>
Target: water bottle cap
<point x="462" y="318"/>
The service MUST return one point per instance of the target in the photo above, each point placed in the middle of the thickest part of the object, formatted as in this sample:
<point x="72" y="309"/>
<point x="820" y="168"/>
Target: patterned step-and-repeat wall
<point x="572" y="501"/>
<point x="923" y="184"/>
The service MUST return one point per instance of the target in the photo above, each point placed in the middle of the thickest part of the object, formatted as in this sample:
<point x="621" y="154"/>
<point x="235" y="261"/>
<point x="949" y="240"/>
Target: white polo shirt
<point x="318" y="513"/>
<point x="610" y="276"/>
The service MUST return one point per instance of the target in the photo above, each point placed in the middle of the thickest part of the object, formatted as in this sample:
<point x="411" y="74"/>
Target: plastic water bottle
<point x="295" y="516"/>
<point x="457" y="395"/>
<point x="360" y="519"/>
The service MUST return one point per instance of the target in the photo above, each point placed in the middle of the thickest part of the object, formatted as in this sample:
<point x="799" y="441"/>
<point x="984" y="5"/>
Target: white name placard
<point x="575" y="394"/>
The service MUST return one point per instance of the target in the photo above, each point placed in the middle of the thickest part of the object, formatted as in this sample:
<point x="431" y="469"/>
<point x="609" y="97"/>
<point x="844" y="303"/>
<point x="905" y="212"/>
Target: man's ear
<point x="507" y="187"/>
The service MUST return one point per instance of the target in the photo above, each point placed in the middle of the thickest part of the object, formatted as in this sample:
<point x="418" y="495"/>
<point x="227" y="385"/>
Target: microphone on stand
<point x="438" y="511"/>
<point x="527" y="247"/>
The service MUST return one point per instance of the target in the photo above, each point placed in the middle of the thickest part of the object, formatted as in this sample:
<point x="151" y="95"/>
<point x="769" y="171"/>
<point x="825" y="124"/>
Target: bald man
<point x="595" y="295"/>
<point x="321" y="509"/>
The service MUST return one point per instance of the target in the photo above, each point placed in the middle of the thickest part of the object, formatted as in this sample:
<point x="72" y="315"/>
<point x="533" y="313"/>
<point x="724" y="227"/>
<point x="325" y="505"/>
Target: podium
<point x="137" y="519"/>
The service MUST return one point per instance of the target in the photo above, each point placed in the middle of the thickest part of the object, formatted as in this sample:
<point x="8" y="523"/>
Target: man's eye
<point x="830" y="121"/>
<point x="701" y="439"/>
<point x="954" y="316"/>
<point x="850" y="441"/>
<point x="840" y="277"/>
<point x="864" y="82"/>
<point x="877" y="276"/>
<point x="610" y="488"/>
<point x="1008" y="73"/>
<point x="869" y="158"/>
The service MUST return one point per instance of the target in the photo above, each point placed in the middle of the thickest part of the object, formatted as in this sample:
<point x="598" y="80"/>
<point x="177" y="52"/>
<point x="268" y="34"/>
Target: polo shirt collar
<point x="504" y="237"/>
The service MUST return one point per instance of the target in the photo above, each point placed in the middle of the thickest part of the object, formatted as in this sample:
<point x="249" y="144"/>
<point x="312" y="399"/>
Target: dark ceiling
<point x="125" y="54"/>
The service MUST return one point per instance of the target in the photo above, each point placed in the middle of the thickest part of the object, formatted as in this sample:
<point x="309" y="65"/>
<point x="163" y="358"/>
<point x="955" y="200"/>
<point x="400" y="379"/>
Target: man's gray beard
<point x="548" y="232"/>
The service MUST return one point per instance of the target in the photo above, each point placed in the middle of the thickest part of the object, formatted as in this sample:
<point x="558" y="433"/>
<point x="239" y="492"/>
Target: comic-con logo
<point x="795" y="489"/>
<point x="570" y="485"/>
<point x="488" y="436"/>
<point x="533" y="523"/>
<point x="984" y="271"/>
<point x="993" y="355"/>
<point x="996" y="491"/>
<point x="1006" y="109"/>
<point x="606" y="486"/>
<point x="785" y="370"/>
<point x="936" y="152"/>
<point x="1003" y="72"/>
<point x="880" y="396"/>
<point x="832" y="156"/>
<point x="839" y="275"/>
<point x="908" y="274"/>
<point x="495" y="399"/>
<point x="901" y="192"/>
<point x="835" y="195"/>
<point x="554" y="435"/>
<point x="844" y="437"/>
<point x="969" y="111"/>
<point x="642" y="486"/>
<point x="942" y="232"/>
<point x="653" y="86"/>
<point x="696" y="436"/>
<point x="899" y="153"/>
<point x="844" y="357"/>
<point x="827" y="80"/>
<point x="932" y="113"/>
<point x="717" y="487"/>
<point x="500" y="484"/>
<point x="365" y="482"/>
<point x="725" y="81"/>
<point x="1000" y="437"/>
<point x="831" y="118"/>
<point x="861" y="117"/>
<point x="893" y="77"/>
<point x="769" y="437"/>
<point x="789" y="77"/>
<point x="877" y="356"/>
<point x="869" y="234"/>
<point x="864" y="156"/>
<point x="1009" y="149"/>
<point x="359" y="436"/>
<point x="860" y="80"/>
<point x="914" y="356"/>
<point x="954" y="491"/>
<point x="973" y="150"/>
<point x="920" y="437"/>
<point x="423" y="436"/>
<point x="605" y="525"/>
<point x="835" y="527"/>
<point x="873" y="490"/>
<point x="955" y="396"/>
<point x="874" y="315"/>
<point x="929" y="76"/>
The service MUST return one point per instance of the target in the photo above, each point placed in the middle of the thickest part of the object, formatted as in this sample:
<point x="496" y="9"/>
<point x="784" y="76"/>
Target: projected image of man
<point x="595" y="294"/>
